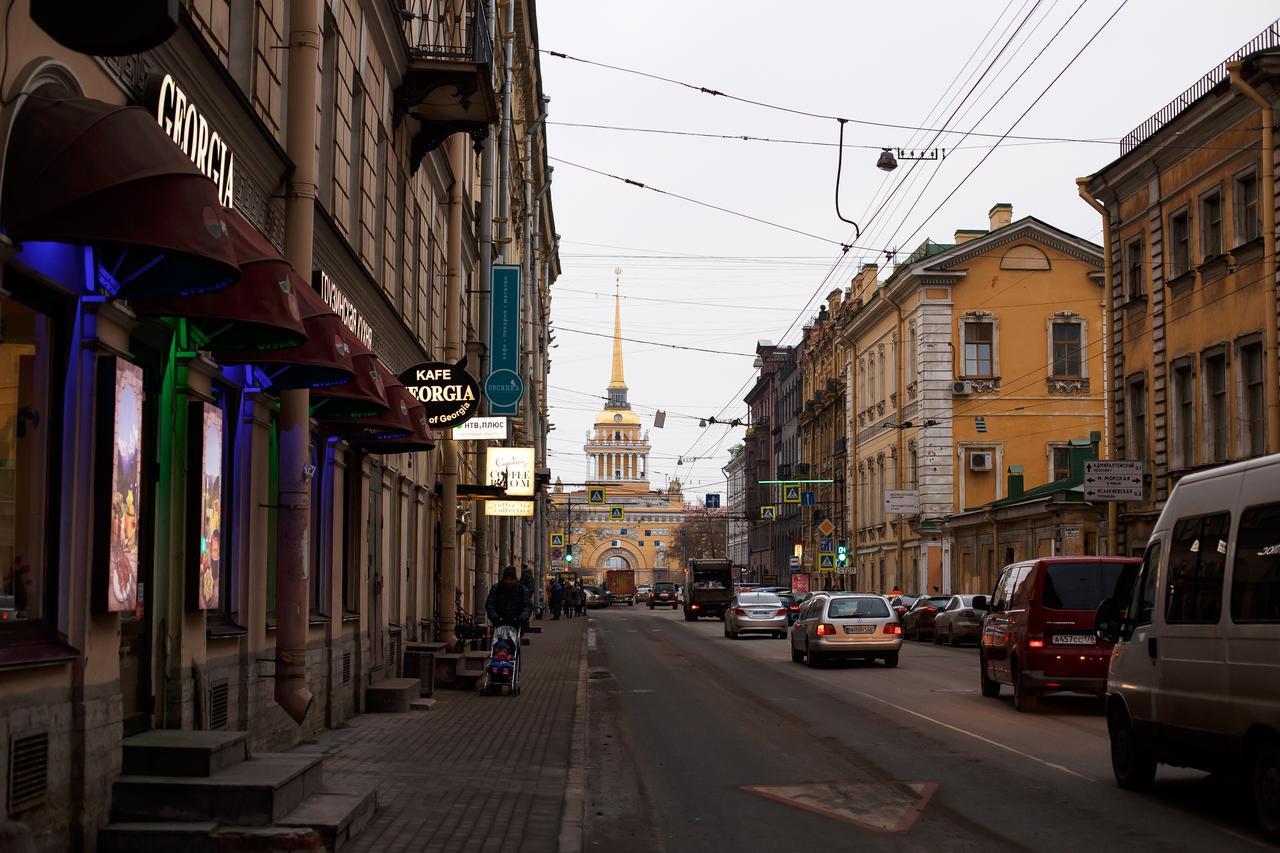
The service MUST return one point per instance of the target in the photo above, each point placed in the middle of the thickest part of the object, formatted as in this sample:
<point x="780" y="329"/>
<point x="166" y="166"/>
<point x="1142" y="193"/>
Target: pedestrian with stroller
<point x="557" y="598"/>
<point x="508" y="602"/>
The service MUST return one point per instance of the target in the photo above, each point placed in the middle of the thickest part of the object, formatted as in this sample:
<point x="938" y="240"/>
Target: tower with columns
<point x="617" y="447"/>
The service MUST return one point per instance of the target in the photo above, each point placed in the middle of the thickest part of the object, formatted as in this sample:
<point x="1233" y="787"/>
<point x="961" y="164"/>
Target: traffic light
<point x="842" y="554"/>
<point x="568" y="554"/>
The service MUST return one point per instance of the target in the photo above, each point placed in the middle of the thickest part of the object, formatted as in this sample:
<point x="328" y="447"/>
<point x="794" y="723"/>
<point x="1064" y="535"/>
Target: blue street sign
<point x="791" y="494"/>
<point x="504" y="341"/>
<point x="826" y="561"/>
<point x="806" y="499"/>
<point x="824" y="544"/>
<point x="595" y="496"/>
<point x="713" y="501"/>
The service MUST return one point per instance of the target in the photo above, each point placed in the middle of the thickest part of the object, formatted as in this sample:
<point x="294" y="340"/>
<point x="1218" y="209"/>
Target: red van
<point x="1038" y="626"/>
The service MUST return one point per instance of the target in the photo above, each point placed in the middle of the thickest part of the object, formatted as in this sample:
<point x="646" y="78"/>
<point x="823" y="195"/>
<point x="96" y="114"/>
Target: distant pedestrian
<point x="581" y="599"/>
<point x="557" y="598"/>
<point x="570" y="600"/>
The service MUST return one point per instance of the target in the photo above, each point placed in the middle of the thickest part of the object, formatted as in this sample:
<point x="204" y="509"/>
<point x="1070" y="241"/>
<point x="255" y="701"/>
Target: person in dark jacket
<point x="557" y="598"/>
<point x="508" y="602"/>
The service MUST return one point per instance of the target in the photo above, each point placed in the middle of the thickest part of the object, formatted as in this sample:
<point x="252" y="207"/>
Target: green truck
<point x="708" y="588"/>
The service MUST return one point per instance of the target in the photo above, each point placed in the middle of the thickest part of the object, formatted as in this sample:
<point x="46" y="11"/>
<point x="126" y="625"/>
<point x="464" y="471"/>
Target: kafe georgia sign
<point x="448" y="393"/>
<point x="189" y="129"/>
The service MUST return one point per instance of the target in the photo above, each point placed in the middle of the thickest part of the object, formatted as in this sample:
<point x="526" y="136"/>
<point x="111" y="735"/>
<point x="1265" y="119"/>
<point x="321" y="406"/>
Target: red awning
<point x="420" y="439"/>
<point x="395" y="423"/>
<point x="259" y="312"/>
<point x="324" y="359"/>
<point x="362" y="397"/>
<point x="86" y="172"/>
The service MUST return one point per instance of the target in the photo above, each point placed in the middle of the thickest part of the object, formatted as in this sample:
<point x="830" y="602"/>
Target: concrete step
<point x="170" y="752"/>
<point x="159" y="837"/>
<point x="465" y="680"/>
<point x="425" y="647"/>
<point x="533" y="629"/>
<point x="524" y="641"/>
<point x="420" y="664"/>
<point x="473" y="662"/>
<point x="337" y="815"/>
<point x="257" y="792"/>
<point x="445" y="666"/>
<point x="422" y="704"/>
<point x="391" y="695"/>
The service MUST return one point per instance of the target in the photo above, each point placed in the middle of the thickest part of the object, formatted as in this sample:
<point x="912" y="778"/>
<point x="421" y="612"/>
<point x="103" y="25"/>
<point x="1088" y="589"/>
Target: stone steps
<point x="171" y="752"/>
<point x="391" y="695"/>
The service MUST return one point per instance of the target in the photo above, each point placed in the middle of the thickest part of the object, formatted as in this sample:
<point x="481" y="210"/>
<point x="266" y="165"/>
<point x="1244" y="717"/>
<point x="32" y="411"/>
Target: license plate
<point x="761" y="614"/>
<point x="1074" y="640"/>
<point x="859" y="629"/>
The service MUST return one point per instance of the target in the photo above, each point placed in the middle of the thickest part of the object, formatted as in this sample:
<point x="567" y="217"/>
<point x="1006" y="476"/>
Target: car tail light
<point x="1052" y="684"/>
<point x="794" y="607"/>
<point x="738" y="611"/>
<point x="782" y="612"/>
<point x="693" y="607"/>
<point x="892" y="628"/>
<point x="929" y="609"/>
<point x="826" y="630"/>
<point x="1036" y="644"/>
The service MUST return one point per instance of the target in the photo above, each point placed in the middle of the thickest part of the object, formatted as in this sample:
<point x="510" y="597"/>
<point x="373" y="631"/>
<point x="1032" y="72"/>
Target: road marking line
<point x="882" y="807"/>
<point x="591" y="639"/>
<point x="976" y="736"/>
<point x="1255" y="842"/>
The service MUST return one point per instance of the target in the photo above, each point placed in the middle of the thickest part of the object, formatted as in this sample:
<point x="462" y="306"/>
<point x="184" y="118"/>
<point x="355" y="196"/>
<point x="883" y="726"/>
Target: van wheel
<point x="1266" y="788"/>
<point x="990" y="689"/>
<point x="1024" y="698"/>
<point x="1133" y="766"/>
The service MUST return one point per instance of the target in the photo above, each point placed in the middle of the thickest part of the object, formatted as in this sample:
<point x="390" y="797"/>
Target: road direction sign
<point x="1113" y="480"/>
<point x="791" y="494"/>
<point x="807" y="499"/>
<point x="824" y="544"/>
<point x="826" y="528"/>
<point x="768" y="513"/>
<point x="713" y="501"/>
<point x="557" y="540"/>
<point x="827" y="562"/>
<point x="595" y="496"/>
<point x="616" y="513"/>
<point x="902" y="501"/>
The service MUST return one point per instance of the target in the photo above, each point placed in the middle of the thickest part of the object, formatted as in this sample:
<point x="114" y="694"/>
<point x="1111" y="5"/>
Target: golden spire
<point x="617" y="381"/>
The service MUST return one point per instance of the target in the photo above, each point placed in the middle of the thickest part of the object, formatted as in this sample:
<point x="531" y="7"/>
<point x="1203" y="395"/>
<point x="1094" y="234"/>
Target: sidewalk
<point x="475" y="773"/>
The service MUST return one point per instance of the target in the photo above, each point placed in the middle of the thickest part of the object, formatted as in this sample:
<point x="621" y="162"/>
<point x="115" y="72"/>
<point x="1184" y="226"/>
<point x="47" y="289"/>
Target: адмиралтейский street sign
<point x="1113" y="480"/>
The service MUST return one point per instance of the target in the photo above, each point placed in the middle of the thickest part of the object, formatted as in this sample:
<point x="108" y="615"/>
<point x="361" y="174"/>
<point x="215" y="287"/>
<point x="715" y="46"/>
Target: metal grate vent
<point x="218" y="694"/>
<point x="28" y="770"/>
<point x="346" y="667"/>
<point x="393" y="657"/>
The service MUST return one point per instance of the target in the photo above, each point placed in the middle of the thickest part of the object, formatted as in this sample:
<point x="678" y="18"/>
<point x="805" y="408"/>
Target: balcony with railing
<point x="448" y="87"/>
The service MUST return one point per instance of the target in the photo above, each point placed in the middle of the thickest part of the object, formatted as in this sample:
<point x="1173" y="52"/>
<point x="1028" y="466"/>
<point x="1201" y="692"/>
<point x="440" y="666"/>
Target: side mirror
<point x="1107" y="622"/>
<point x="981" y="602"/>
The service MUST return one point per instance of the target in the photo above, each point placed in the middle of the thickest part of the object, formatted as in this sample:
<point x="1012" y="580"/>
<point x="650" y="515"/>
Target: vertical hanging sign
<point x="503" y="386"/>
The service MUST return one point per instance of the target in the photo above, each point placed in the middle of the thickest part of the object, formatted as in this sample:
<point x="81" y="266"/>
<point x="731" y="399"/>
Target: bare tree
<point x="704" y="534"/>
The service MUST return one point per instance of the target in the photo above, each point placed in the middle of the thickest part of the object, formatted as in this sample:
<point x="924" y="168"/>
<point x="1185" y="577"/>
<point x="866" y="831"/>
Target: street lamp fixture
<point x="889" y="161"/>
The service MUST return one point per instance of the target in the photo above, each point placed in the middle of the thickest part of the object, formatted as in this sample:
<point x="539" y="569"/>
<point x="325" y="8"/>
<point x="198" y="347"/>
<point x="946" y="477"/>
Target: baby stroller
<point x="502" y="669"/>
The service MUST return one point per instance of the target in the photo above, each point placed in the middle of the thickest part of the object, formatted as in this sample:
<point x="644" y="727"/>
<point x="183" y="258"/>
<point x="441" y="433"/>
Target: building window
<point x="979" y="348"/>
<point x="1067" y="340"/>
<point x="648" y="533"/>
<point x="1210" y="225"/>
<point x="1060" y="463"/>
<point x="1134" y="268"/>
<point x="911" y="352"/>
<point x="1180" y="243"/>
<point x="27" y="425"/>
<point x="913" y="459"/>
<point x="871" y="381"/>
<point x="1184" y="411"/>
<point x="1217" y="425"/>
<point x="1137" y="405"/>
<point x="1248" y="225"/>
<point x="1252" y="411"/>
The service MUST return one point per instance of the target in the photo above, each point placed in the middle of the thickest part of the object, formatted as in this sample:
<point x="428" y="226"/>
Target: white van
<point x="1195" y="674"/>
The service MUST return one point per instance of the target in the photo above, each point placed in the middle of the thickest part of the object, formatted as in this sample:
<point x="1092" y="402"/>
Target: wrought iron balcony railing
<point x="450" y="30"/>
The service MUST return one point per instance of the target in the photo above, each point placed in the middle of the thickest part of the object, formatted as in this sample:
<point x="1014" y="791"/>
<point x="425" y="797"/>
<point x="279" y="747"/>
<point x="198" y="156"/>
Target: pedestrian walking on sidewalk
<point x="571" y="601"/>
<point x="557" y="598"/>
<point x="508" y="602"/>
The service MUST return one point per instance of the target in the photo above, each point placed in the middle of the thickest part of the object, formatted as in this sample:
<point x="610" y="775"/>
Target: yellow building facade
<point x="634" y="526"/>
<point x="973" y="357"/>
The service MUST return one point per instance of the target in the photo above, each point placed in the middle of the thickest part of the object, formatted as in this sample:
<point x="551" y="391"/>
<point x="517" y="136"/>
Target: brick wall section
<point x="476" y="772"/>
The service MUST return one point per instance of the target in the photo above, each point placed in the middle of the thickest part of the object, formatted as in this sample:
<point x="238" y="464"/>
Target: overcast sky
<point x="706" y="279"/>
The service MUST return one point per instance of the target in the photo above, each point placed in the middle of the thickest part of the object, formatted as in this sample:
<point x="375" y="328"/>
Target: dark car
<point x="1039" y="626"/>
<point x="791" y="601"/>
<point x="902" y="603"/>
<point x="917" y="622"/>
<point x="664" y="595"/>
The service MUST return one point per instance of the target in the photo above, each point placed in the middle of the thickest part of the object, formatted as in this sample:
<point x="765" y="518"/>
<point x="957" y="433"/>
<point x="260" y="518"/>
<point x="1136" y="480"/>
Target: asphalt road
<point x="700" y="743"/>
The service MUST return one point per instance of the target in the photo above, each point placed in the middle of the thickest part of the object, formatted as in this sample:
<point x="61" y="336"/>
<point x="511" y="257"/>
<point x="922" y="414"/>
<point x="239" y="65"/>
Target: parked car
<point x="756" y="613"/>
<point x="957" y="621"/>
<point x="642" y="593"/>
<point x="596" y="597"/>
<point x="1038" y="627"/>
<point x="791" y="601"/>
<point x="917" y="622"/>
<point x="1195" y="672"/>
<point x="902" y="603"/>
<point x="848" y="625"/>
<point x="663" y="594"/>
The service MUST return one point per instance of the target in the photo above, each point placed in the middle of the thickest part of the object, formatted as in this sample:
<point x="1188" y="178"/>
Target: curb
<point x="573" y="817"/>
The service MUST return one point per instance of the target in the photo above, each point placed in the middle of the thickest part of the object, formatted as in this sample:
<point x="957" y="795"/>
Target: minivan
<point x="1038" y="629"/>
<point x="1195" y="675"/>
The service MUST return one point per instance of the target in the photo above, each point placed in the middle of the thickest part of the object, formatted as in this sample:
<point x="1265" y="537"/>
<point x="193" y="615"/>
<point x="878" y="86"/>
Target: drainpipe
<point x="506" y="32"/>
<point x="902" y="436"/>
<point x="449" y="554"/>
<point x="1108" y="299"/>
<point x="294" y="514"/>
<point x="484" y="573"/>
<point x="1271" y="369"/>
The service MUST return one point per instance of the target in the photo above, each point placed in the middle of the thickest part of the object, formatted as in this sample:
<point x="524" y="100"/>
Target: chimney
<point x="865" y="280"/>
<point x="833" y="300"/>
<point x="1000" y="214"/>
<point x="1015" y="482"/>
<point x="964" y="235"/>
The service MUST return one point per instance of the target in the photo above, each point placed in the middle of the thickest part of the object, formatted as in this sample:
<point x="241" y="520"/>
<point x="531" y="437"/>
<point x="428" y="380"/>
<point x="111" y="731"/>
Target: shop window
<point x="1252" y="411"/>
<point x="1255" y="579"/>
<point x="1211" y="225"/>
<point x="28" y="375"/>
<point x="1197" y="556"/>
<point x="1135" y="263"/>
<point x="1217" y="425"/>
<point x="1248" y="224"/>
<point x="1180" y="243"/>
<point x="224" y="529"/>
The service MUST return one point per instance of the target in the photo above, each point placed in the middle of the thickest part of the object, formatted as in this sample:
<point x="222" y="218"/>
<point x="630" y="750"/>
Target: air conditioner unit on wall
<point x="961" y="388"/>
<point x="980" y="460"/>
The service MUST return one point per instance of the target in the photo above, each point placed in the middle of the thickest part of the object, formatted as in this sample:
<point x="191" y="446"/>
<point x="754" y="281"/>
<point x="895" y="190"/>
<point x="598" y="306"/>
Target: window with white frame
<point x="1066" y="344"/>
<point x="1184" y="413"/>
<point x="978" y="341"/>
<point x="1249" y="362"/>
<point x="1248" y="225"/>
<point x="1059" y="461"/>
<point x="1213" y="370"/>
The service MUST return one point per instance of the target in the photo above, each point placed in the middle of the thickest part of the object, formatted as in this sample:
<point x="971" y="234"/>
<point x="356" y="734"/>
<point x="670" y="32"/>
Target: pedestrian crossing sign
<point x="827" y="562"/>
<point x="616" y="513"/>
<point x="595" y="496"/>
<point x="768" y="513"/>
<point x="791" y="494"/>
<point x="557" y="540"/>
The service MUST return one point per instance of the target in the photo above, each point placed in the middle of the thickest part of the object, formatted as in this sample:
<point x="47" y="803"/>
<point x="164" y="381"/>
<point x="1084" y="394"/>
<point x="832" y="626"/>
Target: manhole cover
<point x="595" y="674"/>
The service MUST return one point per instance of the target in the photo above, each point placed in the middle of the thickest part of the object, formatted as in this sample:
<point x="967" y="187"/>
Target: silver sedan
<point x="836" y="625"/>
<point x="755" y="613"/>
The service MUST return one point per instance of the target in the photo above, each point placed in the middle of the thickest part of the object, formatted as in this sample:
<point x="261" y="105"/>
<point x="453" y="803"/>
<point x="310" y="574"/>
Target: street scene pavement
<point x="698" y="742"/>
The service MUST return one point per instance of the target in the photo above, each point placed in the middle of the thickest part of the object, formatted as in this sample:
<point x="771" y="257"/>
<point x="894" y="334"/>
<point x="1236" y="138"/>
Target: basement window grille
<point x="218" y="702"/>
<point x="346" y="667"/>
<point x="28" y="770"/>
